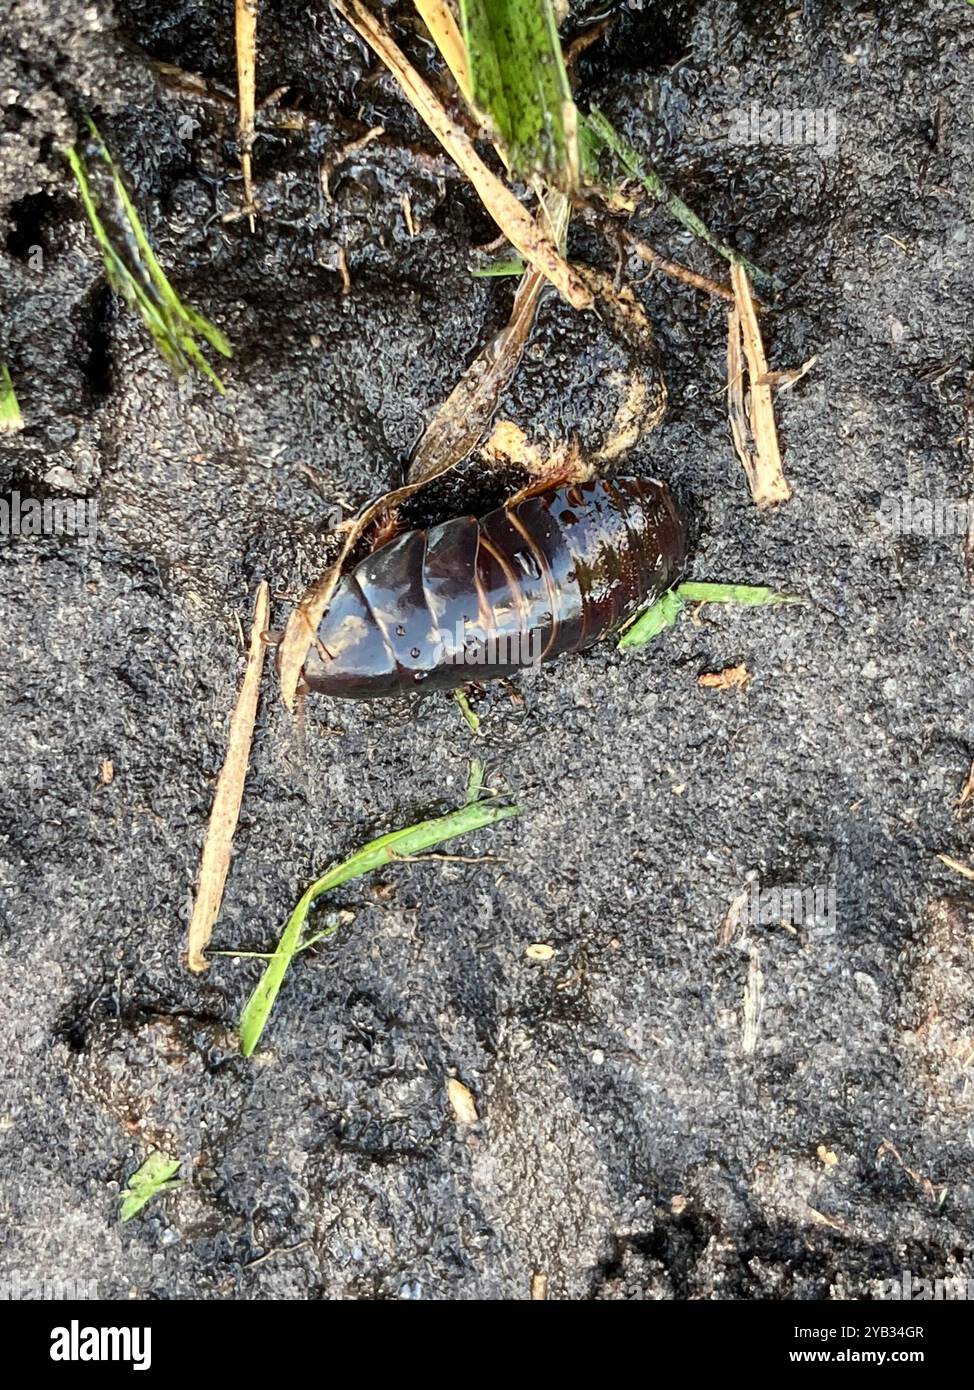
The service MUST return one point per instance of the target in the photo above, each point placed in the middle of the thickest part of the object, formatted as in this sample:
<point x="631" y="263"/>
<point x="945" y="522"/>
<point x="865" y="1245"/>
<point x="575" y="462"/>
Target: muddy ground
<point x="638" y="1136"/>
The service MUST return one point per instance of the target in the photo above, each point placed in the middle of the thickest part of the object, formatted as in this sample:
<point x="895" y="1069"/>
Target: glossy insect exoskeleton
<point x="476" y="599"/>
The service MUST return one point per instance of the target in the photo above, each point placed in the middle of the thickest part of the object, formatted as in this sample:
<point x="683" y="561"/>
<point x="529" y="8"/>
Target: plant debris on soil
<point x="399" y="844"/>
<point x="438" y="1108"/>
<point x="153" y="1178"/>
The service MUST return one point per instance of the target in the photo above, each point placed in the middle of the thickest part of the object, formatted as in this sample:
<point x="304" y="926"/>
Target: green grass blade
<point x="11" y="419"/>
<point x="140" y="279"/>
<point x="750" y="595"/>
<point x="657" y="617"/>
<point x="475" y="782"/>
<point x="153" y="1178"/>
<point x="667" y="608"/>
<point x="398" y="843"/>
<point x="600" y="134"/>
<point x="468" y="712"/>
<point x="519" y="81"/>
<point x="511" y="265"/>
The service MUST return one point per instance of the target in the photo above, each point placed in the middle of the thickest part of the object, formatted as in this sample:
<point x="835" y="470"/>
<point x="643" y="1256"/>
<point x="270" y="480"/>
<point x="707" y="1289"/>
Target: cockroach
<point x="551" y="571"/>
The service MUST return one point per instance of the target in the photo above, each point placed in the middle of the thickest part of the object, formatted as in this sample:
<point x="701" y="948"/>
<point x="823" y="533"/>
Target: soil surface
<point x="787" y="1115"/>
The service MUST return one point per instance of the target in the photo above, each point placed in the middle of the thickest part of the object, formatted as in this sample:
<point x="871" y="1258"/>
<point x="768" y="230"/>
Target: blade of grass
<point x="510" y="265"/>
<point x="474" y="815"/>
<point x="602" y="135"/>
<point x="659" y="616"/>
<point x="11" y="419"/>
<point x="143" y="284"/>
<point x="166" y="293"/>
<point x="475" y="782"/>
<point x="748" y="595"/>
<point x="519" y="81"/>
<point x="469" y="714"/>
<point x="667" y="608"/>
<point x="152" y="1179"/>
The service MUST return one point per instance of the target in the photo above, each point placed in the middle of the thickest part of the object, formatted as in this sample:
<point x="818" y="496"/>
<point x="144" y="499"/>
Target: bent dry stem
<point x="386" y="849"/>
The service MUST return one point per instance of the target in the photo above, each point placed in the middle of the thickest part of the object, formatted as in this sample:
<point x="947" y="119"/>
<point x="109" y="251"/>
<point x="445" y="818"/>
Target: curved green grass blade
<point x="140" y="279"/>
<point x="474" y="815"/>
<point x="11" y="419"/>
<point x="667" y="608"/>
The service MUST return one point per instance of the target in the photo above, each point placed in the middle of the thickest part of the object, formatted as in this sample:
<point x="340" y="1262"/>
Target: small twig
<point x="732" y="919"/>
<point x="407" y="215"/>
<point x="343" y="271"/>
<point x="963" y="869"/>
<point x="283" y="1250"/>
<point x="789" y="377"/>
<point x="245" y="16"/>
<point x="926" y="1186"/>
<point x="753" y="1003"/>
<point x="585" y="40"/>
<point x="229" y="793"/>
<point x="676" y="271"/>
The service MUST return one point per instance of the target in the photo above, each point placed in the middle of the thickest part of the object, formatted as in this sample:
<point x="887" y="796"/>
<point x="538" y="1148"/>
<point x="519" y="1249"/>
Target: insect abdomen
<point x="473" y="600"/>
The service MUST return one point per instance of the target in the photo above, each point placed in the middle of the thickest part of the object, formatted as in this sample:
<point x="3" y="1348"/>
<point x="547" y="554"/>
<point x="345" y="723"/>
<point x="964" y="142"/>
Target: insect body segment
<point x="477" y="599"/>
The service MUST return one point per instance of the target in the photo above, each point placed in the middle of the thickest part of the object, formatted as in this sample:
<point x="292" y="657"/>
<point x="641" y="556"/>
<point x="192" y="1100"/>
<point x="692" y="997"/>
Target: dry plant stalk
<point x="458" y="424"/>
<point x="245" y="26"/>
<point x="753" y="1004"/>
<point x="520" y="228"/>
<point x="762" y="464"/>
<point x="229" y="794"/>
<point x="732" y="919"/>
<point x="445" y="32"/>
<point x="967" y="790"/>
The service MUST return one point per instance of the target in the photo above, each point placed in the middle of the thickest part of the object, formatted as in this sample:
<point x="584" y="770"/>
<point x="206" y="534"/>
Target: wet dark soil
<point x="642" y="1133"/>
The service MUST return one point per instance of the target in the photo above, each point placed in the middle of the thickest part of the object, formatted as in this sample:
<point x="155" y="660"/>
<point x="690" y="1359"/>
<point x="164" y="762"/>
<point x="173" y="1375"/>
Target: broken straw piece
<point x="229" y="794"/>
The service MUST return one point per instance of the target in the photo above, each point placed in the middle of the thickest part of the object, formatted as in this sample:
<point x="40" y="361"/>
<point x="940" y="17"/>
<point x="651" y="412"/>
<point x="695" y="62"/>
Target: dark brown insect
<point x="476" y="599"/>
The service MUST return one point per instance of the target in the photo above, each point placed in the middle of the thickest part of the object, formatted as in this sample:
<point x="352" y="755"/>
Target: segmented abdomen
<point x="473" y="600"/>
